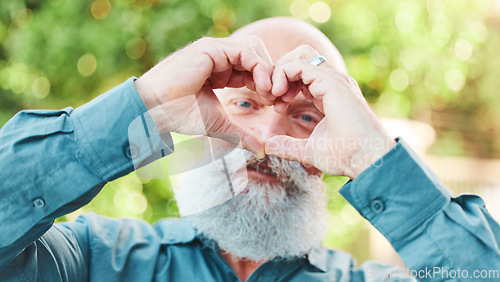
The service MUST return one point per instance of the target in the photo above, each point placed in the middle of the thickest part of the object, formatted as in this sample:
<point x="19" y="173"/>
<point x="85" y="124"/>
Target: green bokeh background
<point x="434" y="61"/>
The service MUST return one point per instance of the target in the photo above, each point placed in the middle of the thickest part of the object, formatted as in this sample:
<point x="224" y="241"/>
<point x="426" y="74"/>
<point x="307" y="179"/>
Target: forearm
<point x="57" y="161"/>
<point x="408" y="204"/>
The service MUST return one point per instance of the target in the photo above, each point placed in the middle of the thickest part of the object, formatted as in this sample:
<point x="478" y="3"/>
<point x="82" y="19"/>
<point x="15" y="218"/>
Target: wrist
<point x="368" y="155"/>
<point x="146" y="93"/>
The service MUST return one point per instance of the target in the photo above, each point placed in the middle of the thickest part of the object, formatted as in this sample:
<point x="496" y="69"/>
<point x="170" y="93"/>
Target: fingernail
<point x="257" y="155"/>
<point x="261" y="155"/>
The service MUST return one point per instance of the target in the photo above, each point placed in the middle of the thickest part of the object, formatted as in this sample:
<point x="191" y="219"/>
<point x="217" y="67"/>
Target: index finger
<point x="251" y="54"/>
<point x="280" y="80"/>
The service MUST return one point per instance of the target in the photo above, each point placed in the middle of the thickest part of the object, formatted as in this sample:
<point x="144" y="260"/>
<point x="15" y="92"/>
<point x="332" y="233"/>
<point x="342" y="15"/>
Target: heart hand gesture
<point x="348" y="139"/>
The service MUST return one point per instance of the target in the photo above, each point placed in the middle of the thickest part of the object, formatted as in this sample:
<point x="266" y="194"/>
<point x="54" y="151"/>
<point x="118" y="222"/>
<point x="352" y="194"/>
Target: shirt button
<point x="131" y="151"/>
<point x="377" y="206"/>
<point x="38" y="203"/>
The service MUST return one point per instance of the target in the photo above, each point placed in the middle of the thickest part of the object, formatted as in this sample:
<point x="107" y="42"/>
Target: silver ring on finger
<point x="318" y="60"/>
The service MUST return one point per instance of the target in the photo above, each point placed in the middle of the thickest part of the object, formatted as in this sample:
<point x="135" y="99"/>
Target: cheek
<point x="247" y="120"/>
<point x="238" y="119"/>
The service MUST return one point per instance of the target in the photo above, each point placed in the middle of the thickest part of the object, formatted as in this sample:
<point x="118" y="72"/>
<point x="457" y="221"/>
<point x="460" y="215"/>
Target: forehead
<point x="282" y="35"/>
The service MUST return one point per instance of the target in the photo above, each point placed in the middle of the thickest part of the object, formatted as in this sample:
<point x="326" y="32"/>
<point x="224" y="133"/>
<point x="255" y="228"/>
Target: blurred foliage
<point x="434" y="61"/>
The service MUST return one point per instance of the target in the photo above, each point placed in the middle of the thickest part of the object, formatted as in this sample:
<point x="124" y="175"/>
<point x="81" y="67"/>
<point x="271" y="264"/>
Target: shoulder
<point x="96" y="227"/>
<point x="133" y="248"/>
<point x="175" y="230"/>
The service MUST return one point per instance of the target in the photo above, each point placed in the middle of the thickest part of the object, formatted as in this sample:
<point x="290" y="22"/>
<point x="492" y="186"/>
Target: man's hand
<point x="350" y="137"/>
<point x="178" y="92"/>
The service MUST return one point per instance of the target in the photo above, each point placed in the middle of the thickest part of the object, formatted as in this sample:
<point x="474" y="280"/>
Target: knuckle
<point x="306" y="49"/>
<point x="255" y="44"/>
<point x="244" y="135"/>
<point x="306" y="53"/>
<point x="248" y="41"/>
<point x="255" y="40"/>
<point x="204" y="43"/>
<point x="248" y="48"/>
<point x="285" y="148"/>
<point x="204" y="40"/>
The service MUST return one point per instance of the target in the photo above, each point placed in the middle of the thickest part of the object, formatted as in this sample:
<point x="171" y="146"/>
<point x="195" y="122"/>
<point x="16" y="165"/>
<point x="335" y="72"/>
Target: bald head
<point x="282" y="35"/>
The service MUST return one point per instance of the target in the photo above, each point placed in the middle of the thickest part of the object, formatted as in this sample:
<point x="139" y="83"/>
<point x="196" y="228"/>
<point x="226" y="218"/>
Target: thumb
<point x="218" y="125"/>
<point x="243" y="138"/>
<point x="288" y="148"/>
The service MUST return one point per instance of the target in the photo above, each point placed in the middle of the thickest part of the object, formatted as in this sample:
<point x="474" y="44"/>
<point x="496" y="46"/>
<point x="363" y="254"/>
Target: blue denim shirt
<point x="54" y="162"/>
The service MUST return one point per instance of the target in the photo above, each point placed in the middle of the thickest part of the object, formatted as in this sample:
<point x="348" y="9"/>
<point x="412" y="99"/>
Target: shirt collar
<point x="317" y="258"/>
<point x="179" y="231"/>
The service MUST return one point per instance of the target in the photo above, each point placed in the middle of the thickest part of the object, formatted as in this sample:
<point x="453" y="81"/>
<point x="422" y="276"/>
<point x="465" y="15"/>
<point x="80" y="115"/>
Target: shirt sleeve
<point x="436" y="235"/>
<point x="56" y="161"/>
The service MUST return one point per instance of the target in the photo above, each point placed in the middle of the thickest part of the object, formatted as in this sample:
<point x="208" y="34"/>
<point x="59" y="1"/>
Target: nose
<point x="272" y="124"/>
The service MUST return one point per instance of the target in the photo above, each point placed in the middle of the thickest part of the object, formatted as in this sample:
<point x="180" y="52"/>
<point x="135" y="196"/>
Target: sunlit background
<point x="429" y="68"/>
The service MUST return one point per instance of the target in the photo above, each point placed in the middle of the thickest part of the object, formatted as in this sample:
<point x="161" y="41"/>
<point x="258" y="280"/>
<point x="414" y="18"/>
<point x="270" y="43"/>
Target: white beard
<point x="264" y="220"/>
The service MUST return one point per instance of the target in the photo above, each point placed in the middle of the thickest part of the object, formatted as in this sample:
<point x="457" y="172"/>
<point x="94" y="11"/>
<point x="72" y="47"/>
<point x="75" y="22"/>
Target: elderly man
<point x="280" y="87"/>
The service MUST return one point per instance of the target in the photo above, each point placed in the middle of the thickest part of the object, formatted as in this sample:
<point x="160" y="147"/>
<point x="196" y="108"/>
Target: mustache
<point x="283" y="169"/>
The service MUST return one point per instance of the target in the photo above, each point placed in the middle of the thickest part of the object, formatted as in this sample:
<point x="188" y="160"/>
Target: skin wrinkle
<point x="284" y="219"/>
<point x="267" y="220"/>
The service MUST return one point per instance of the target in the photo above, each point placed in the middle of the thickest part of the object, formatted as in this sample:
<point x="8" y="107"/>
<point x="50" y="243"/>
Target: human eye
<point x="244" y="104"/>
<point x="306" y="118"/>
